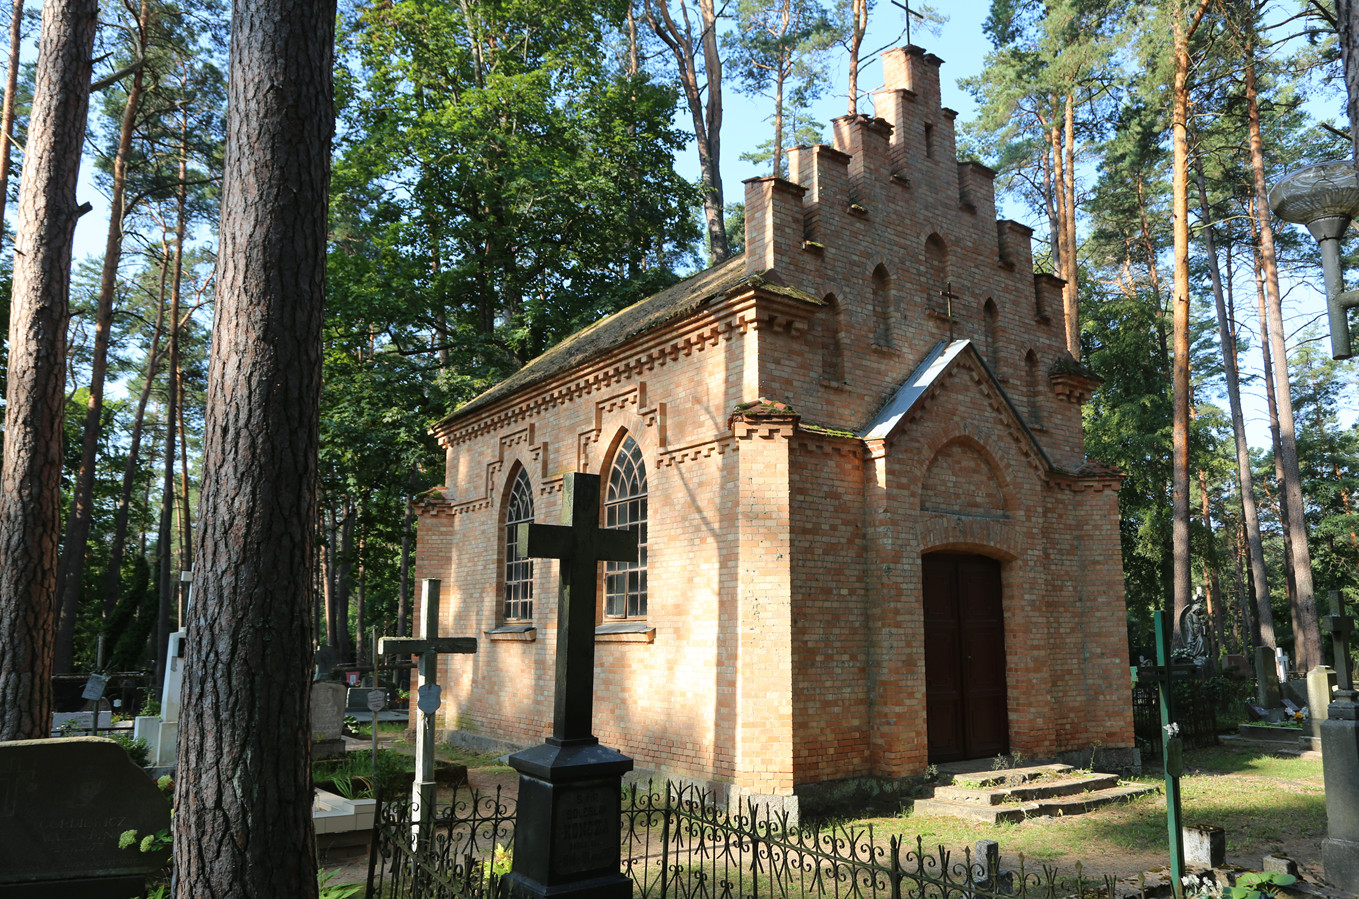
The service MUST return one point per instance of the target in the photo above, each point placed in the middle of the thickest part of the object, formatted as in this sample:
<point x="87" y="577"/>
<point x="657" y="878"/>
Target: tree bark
<point x="1307" y="636"/>
<point x="1347" y="29"/>
<point x="243" y="803"/>
<point x="1227" y="339"/>
<point x="71" y="574"/>
<point x="30" y="479"/>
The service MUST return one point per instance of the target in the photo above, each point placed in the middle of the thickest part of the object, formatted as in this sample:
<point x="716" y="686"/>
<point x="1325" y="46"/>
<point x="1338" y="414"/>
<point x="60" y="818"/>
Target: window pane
<point x="625" y="506"/>
<point x="518" y="570"/>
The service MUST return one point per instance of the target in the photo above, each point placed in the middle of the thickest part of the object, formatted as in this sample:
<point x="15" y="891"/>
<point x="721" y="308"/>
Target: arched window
<point x="518" y="570"/>
<point x="625" y="507"/>
<point x="832" y="351"/>
<point x="937" y="275"/>
<point x="1031" y="389"/>
<point x="991" y="316"/>
<point x="882" y="306"/>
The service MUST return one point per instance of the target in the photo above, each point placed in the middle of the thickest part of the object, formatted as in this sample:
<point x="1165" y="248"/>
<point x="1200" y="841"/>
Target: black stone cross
<point x="581" y="544"/>
<point x="566" y="832"/>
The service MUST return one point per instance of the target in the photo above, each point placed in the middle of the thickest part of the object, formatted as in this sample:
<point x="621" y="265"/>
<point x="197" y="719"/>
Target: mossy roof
<point x="675" y="302"/>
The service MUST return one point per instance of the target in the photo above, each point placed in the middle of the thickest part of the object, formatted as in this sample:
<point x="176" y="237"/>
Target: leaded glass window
<point x="625" y="507"/>
<point x="518" y="570"/>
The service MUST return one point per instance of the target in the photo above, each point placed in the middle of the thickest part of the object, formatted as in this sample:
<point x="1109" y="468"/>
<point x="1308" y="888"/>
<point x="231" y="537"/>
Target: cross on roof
<point x="905" y="6"/>
<point x="581" y="544"/>
<point x="949" y="296"/>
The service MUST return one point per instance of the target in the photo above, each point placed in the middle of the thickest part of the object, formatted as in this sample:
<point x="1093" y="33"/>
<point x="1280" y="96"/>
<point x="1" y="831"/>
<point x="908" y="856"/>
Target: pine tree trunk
<point x="30" y="479"/>
<point x="1227" y="339"/>
<point x="1180" y="371"/>
<point x="113" y="577"/>
<point x="243" y="802"/>
<point x="1307" y="635"/>
<point x="1071" y="291"/>
<point x="1347" y="29"/>
<point x="16" y="34"/>
<point x="71" y="574"/>
<point x="704" y="102"/>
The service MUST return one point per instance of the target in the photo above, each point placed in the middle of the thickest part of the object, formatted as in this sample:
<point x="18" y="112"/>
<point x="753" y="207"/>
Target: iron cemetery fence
<point x="680" y="843"/>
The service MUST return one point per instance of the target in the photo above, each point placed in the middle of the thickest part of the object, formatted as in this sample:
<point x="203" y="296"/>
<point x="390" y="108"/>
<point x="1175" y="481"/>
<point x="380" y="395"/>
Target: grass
<point x="1261" y="801"/>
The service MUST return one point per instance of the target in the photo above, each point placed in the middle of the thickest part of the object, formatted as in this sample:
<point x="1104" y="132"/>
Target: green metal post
<point x="1171" y="754"/>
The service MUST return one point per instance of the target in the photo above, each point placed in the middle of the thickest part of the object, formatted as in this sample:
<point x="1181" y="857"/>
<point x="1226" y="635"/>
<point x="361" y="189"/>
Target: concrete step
<point x="1047" y="788"/>
<point x="1038" y="808"/>
<point x="1009" y="776"/>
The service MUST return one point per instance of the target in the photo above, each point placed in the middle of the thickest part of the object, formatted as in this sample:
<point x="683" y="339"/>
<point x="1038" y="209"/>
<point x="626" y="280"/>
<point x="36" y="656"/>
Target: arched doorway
<point x="965" y="691"/>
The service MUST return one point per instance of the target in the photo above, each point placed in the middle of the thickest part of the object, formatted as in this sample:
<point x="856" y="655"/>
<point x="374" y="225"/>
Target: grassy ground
<point x="1266" y="805"/>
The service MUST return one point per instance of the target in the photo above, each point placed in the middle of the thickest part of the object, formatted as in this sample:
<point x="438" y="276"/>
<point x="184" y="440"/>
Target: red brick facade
<point x="796" y="477"/>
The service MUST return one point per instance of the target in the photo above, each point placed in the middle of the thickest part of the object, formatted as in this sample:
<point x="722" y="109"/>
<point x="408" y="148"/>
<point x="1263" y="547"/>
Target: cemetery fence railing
<point x="679" y="842"/>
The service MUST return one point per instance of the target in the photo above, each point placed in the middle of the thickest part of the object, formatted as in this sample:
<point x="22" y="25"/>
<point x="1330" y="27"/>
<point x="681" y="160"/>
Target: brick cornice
<point x="750" y="309"/>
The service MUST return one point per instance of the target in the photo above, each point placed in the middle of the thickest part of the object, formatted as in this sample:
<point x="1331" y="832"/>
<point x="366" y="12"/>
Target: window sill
<point x="513" y="633"/>
<point x="625" y="632"/>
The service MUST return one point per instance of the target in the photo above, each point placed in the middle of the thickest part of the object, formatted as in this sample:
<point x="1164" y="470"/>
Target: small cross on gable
<point x="581" y="544"/>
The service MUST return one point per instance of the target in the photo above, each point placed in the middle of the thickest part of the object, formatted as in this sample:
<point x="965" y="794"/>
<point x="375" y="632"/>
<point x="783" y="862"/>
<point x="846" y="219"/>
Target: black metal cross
<point x="581" y="544"/>
<point x="1340" y="626"/>
<point x="906" y="6"/>
<point x="949" y="296"/>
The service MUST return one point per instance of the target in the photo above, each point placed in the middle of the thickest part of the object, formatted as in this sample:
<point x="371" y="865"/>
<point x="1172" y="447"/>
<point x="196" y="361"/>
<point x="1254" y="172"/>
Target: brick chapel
<point x="871" y="540"/>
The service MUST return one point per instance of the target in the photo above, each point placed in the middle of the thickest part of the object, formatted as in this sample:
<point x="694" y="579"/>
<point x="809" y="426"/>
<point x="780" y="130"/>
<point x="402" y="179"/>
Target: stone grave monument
<point x="161" y="732"/>
<point x="1340" y="762"/>
<point x="1267" y="694"/>
<point x="327" y="719"/>
<point x="566" y="836"/>
<point x="63" y="805"/>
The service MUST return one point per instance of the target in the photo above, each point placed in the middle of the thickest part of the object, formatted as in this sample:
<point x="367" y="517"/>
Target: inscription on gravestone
<point x="585" y="834"/>
<point x="63" y="805"/>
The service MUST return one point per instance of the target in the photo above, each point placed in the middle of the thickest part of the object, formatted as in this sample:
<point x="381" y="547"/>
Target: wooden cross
<point x="905" y="5"/>
<point x="949" y="296"/>
<point x="581" y="544"/>
<point x="427" y="646"/>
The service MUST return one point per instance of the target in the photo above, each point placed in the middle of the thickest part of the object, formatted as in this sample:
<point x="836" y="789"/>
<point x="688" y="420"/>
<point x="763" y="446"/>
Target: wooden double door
<point x="965" y="686"/>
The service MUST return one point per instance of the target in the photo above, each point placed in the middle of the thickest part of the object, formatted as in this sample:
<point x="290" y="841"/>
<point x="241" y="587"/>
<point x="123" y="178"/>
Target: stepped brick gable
<point x="872" y="540"/>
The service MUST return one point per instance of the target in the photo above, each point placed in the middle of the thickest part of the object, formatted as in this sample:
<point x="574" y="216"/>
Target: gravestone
<point x="566" y="837"/>
<point x="1267" y="693"/>
<point x="1320" y="681"/>
<point x="1340" y="762"/>
<point x="327" y="719"/>
<point x="325" y="661"/>
<point x="1205" y="846"/>
<point x="161" y="732"/>
<point x="63" y="805"/>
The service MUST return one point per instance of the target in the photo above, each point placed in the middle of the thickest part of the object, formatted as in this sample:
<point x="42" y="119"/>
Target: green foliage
<point x="497" y="186"/>
<point x="137" y="748"/>
<point x="1258" y="885"/>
